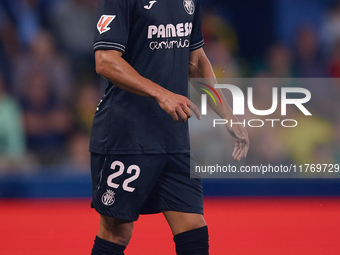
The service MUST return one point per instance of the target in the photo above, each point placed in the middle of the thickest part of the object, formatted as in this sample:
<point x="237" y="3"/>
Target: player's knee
<point x="124" y="237"/>
<point x="104" y="247"/>
<point x="115" y="230"/>
<point x="181" y="222"/>
<point x="122" y="240"/>
<point x="197" y="222"/>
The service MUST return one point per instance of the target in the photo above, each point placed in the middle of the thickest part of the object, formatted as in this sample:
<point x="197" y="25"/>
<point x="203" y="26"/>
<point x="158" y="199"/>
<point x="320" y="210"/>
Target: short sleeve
<point x="196" y="40"/>
<point x="112" y="28"/>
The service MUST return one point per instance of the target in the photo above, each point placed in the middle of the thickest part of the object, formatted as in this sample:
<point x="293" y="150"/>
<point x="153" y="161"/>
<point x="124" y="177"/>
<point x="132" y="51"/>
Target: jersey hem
<point x="138" y="151"/>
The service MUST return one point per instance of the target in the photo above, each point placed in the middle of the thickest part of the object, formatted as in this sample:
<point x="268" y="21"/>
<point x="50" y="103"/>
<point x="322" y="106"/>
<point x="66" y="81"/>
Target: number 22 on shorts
<point x="120" y="171"/>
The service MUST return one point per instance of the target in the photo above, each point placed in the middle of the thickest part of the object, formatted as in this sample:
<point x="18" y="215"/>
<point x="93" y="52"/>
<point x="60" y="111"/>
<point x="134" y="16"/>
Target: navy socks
<point x="103" y="247"/>
<point x="193" y="242"/>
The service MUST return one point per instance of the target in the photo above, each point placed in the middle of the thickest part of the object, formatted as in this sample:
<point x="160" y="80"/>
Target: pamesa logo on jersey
<point x="169" y="36"/>
<point x="108" y="198"/>
<point x="189" y="6"/>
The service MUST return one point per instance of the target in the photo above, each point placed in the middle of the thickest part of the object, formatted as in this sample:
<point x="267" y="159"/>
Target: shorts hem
<point x="134" y="217"/>
<point x="184" y="210"/>
<point x="114" y="214"/>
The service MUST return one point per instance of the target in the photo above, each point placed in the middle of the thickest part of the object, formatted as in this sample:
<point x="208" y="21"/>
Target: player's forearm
<point x="110" y="65"/>
<point x="113" y="67"/>
<point x="200" y="67"/>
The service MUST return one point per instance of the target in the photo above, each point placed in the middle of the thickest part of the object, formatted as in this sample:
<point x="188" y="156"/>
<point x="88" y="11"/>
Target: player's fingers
<point x="174" y="116"/>
<point x="236" y="150"/>
<point x="246" y="148"/>
<point x="187" y="111"/>
<point x="237" y="147"/>
<point x="238" y="153"/>
<point x="241" y="155"/>
<point x="241" y="152"/>
<point x="195" y="110"/>
<point x="182" y="114"/>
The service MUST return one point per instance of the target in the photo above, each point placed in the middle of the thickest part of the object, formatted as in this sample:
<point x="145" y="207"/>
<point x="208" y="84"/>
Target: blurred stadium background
<point x="49" y="92"/>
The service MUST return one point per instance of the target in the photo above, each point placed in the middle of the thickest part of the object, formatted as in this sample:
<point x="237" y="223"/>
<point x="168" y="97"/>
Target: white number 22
<point x="120" y="171"/>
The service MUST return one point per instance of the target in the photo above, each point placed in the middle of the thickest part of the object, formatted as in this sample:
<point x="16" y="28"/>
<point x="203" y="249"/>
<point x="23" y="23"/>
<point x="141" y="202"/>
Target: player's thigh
<point x="185" y="192"/>
<point x="177" y="190"/>
<point x="180" y="222"/>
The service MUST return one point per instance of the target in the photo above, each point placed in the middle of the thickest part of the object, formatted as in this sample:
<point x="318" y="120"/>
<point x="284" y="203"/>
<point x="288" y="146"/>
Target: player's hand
<point x="240" y="135"/>
<point x="179" y="107"/>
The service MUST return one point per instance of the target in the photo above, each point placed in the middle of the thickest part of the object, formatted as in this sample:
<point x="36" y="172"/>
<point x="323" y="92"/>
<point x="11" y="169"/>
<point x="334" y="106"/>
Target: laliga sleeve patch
<point x="104" y="22"/>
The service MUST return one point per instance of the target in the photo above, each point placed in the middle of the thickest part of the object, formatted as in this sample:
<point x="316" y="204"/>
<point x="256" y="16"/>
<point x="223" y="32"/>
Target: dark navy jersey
<point x="155" y="38"/>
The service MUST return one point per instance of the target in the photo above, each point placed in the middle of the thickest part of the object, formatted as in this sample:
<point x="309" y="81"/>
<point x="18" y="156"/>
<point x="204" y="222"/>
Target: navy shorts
<point x="125" y="186"/>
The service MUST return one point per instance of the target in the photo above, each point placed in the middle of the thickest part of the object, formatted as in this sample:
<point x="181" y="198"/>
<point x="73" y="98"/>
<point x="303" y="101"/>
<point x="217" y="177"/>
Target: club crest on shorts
<point x="189" y="6"/>
<point x="108" y="198"/>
